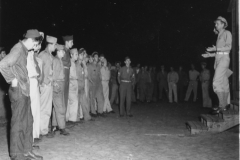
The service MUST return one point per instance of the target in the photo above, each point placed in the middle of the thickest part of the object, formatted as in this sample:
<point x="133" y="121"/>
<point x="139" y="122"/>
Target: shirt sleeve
<point x="228" y="42"/>
<point x="7" y="63"/>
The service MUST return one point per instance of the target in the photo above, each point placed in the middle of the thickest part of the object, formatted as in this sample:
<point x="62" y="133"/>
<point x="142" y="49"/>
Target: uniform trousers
<point x="125" y="96"/>
<point x="35" y="106"/>
<point x="163" y="86"/>
<point x="59" y="109"/>
<point x="72" y="107"/>
<point x="192" y="86"/>
<point x="207" y="102"/>
<point x="143" y="92"/>
<point x="66" y="85"/>
<point x="172" y="90"/>
<point x="114" y="93"/>
<point x="84" y="103"/>
<point x="150" y="91"/>
<point x="107" y="106"/>
<point x="96" y="95"/>
<point x="21" y="133"/>
<point x="46" y="98"/>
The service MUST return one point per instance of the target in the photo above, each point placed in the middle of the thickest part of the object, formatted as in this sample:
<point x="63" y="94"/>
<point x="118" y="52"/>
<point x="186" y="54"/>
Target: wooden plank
<point x="211" y="118"/>
<point x="197" y="125"/>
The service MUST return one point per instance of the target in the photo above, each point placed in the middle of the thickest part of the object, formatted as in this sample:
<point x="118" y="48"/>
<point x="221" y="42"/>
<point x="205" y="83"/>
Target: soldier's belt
<point x="222" y="53"/>
<point x="125" y="81"/>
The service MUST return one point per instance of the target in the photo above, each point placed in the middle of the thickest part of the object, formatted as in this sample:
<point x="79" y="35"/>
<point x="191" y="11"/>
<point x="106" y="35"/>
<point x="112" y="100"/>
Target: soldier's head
<point x="60" y="51"/>
<point x="3" y="54"/>
<point x="171" y="69"/>
<point x="68" y="40"/>
<point x="74" y="54"/>
<point x="203" y="65"/>
<point x="95" y="57"/>
<point x="101" y="57"/>
<point x="220" y="23"/>
<point x="51" y="43"/>
<point x="180" y="68"/>
<point x="127" y="61"/>
<point x="162" y="67"/>
<point x="118" y="65"/>
<point x="32" y="38"/>
<point x="90" y="59"/>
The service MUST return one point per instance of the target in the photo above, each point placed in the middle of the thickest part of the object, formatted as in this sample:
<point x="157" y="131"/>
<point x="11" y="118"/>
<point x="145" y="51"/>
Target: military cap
<point x="51" y="39"/>
<point x="81" y="50"/>
<point x="74" y="50"/>
<point x="67" y="38"/>
<point x="222" y="20"/>
<point x="59" y="47"/>
<point x="32" y="33"/>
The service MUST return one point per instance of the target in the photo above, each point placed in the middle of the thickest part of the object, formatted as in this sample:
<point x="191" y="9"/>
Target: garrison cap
<point x="59" y="47"/>
<point x="220" y="18"/>
<point x="51" y="39"/>
<point x="32" y="33"/>
<point x="67" y="38"/>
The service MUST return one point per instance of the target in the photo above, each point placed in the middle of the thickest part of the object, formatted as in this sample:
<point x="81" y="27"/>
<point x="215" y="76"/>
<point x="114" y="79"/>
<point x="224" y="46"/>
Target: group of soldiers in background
<point x="150" y="85"/>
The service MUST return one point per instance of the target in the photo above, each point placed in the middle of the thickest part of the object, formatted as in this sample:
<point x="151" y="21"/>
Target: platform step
<point x="196" y="127"/>
<point x="209" y="120"/>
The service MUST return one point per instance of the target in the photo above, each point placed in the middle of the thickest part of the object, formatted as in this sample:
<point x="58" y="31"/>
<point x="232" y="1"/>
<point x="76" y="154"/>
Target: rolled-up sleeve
<point x="7" y="63"/>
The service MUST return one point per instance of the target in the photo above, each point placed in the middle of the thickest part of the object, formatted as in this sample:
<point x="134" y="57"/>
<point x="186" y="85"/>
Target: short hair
<point x="81" y="50"/>
<point x="101" y="55"/>
<point x="95" y="53"/>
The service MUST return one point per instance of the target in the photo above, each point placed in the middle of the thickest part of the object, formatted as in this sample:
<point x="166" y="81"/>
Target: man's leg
<point x="122" y="91"/>
<point x="170" y="92"/>
<point x="195" y="87"/>
<point x="46" y="108"/>
<point x="175" y="92"/>
<point x="128" y="98"/>
<point x="66" y="85"/>
<point x="83" y="102"/>
<point x="92" y="95"/>
<point x="100" y="99"/>
<point x="113" y="93"/>
<point x="189" y="90"/>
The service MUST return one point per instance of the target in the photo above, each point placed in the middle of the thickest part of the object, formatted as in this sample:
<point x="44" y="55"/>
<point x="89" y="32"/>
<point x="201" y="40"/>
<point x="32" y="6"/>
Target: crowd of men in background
<point x="61" y="87"/>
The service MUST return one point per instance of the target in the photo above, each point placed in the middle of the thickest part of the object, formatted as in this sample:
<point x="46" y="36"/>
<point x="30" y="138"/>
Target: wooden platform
<point x="209" y="120"/>
<point x="196" y="127"/>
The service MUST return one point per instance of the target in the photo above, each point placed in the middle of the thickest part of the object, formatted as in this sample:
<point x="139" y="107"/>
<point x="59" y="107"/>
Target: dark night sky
<point x="151" y="32"/>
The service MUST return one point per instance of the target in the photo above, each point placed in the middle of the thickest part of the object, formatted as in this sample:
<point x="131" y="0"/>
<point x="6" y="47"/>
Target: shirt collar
<point x="221" y="32"/>
<point x="24" y="47"/>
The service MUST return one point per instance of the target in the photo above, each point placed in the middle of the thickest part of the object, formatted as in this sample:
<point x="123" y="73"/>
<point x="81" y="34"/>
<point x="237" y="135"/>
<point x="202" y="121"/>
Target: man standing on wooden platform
<point x="222" y="60"/>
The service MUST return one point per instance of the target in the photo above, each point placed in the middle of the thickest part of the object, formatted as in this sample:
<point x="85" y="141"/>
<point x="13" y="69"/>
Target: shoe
<point x="218" y="110"/>
<point x="31" y="155"/>
<point x="130" y="115"/>
<point x="37" y="140"/>
<point x="35" y="147"/>
<point x="111" y="112"/>
<point x="102" y="115"/>
<point x="94" y="115"/>
<point x="64" y="132"/>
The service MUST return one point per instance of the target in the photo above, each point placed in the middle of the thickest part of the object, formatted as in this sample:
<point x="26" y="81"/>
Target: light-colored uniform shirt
<point x="31" y="66"/>
<point x="58" y="69"/>
<point x="105" y="74"/>
<point x="173" y="77"/>
<point x="73" y="71"/>
<point x="205" y="75"/>
<point x="224" y="40"/>
<point x="193" y="74"/>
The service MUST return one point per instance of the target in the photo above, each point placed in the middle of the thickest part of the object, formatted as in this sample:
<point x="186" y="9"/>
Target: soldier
<point x="150" y="84"/>
<point x="14" y="70"/>
<point x="205" y="79"/>
<point x="95" y="87"/>
<point x="105" y="80"/>
<point x="162" y="80"/>
<point x="137" y="73"/>
<point x="143" y="79"/>
<point x="193" y="83"/>
<point x="67" y="64"/>
<point x="46" y="88"/>
<point x="222" y="60"/>
<point x="72" y="108"/>
<point x="34" y="66"/>
<point x="155" y="84"/>
<point x="125" y="77"/>
<point x="172" y="84"/>
<point x="182" y="83"/>
<point x="59" y="109"/>
<point x="83" y="97"/>
<point x="114" y="84"/>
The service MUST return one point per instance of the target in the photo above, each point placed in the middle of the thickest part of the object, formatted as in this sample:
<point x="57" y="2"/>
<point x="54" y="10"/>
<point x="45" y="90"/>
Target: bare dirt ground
<point x="156" y="132"/>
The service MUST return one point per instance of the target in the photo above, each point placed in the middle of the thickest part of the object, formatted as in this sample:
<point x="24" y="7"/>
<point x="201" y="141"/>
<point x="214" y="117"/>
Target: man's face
<point x="32" y="43"/>
<point x="69" y="43"/>
<point x="52" y="47"/>
<point x="60" y="53"/>
<point x="3" y="54"/>
<point x="127" y="62"/>
<point x="80" y="56"/>
<point x="219" y="25"/>
<point x="75" y="56"/>
<point x="101" y="58"/>
<point x="203" y="66"/>
<point x="96" y="58"/>
<point x="37" y="47"/>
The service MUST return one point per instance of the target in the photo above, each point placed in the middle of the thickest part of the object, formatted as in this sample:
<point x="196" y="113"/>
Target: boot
<point x="51" y="132"/>
<point x="221" y="103"/>
<point x="64" y="132"/>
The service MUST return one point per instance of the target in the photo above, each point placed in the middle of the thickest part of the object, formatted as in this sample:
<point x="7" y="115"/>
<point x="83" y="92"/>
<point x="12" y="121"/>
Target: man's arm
<point x="7" y="63"/>
<point x="119" y="74"/>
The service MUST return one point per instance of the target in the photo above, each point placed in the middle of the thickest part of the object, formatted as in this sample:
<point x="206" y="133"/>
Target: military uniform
<point x="193" y="85"/>
<point x="125" y="76"/>
<point x="172" y="84"/>
<point x="205" y="79"/>
<point x="163" y="85"/>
